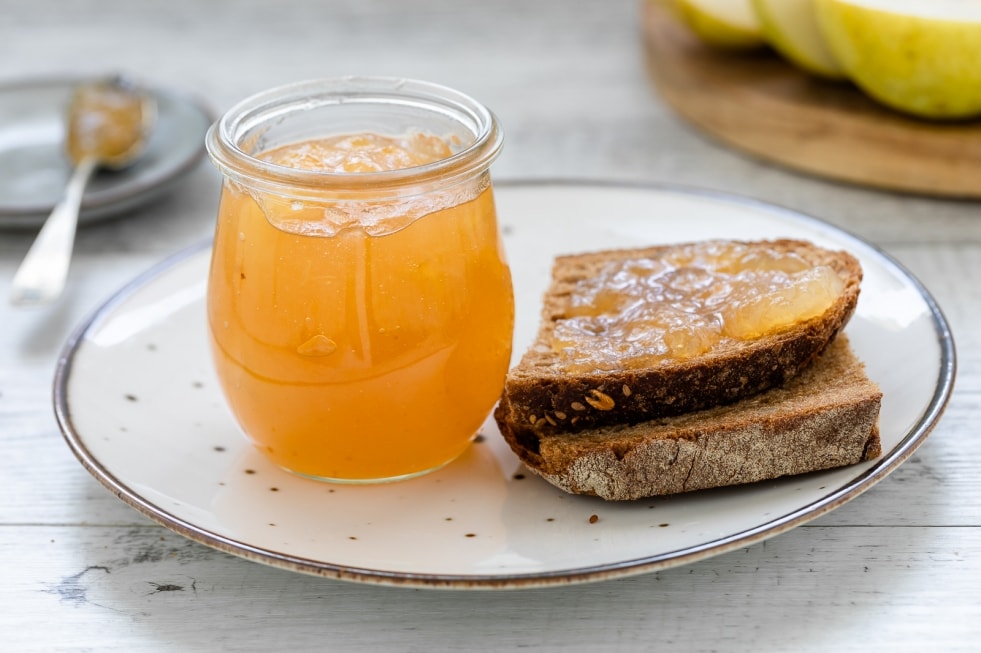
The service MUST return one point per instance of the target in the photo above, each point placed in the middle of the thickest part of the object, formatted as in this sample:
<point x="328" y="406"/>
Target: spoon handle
<point x="42" y="274"/>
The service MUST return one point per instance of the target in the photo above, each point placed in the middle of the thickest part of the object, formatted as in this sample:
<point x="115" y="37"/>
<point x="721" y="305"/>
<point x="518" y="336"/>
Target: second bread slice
<point x="826" y="417"/>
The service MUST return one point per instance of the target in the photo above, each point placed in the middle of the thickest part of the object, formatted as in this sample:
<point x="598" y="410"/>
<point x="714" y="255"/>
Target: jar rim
<point x="223" y="140"/>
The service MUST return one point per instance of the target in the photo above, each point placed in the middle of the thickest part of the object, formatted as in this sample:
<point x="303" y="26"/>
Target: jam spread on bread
<point x="638" y="312"/>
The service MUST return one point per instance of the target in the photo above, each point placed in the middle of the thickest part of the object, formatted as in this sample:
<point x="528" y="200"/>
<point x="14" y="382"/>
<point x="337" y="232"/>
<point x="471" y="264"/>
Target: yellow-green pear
<point x="730" y="24"/>
<point x="790" y="27"/>
<point x="921" y="57"/>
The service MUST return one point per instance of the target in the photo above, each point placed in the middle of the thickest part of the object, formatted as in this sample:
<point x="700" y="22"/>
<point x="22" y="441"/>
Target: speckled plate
<point x="139" y="405"/>
<point x="34" y="170"/>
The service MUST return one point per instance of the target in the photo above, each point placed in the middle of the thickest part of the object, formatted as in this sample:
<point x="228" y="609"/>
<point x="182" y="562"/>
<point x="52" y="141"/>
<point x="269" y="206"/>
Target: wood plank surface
<point x="137" y="588"/>
<point x="896" y="569"/>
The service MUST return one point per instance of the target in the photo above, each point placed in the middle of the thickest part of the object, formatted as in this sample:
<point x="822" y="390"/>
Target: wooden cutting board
<point x="759" y="104"/>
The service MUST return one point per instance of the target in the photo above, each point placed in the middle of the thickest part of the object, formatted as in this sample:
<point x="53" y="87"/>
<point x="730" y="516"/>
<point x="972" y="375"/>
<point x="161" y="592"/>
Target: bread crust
<point x="826" y="417"/>
<point x="542" y="398"/>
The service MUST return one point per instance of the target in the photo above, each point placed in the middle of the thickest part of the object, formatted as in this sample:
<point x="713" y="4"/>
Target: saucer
<point x="34" y="169"/>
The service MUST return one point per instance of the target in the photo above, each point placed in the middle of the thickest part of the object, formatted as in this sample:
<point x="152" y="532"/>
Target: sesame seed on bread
<point x="824" y="417"/>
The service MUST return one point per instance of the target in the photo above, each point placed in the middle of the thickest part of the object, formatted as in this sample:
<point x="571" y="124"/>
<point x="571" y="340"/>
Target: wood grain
<point x="895" y="570"/>
<point x="140" y="589"/>
<point x="759" y="104"/>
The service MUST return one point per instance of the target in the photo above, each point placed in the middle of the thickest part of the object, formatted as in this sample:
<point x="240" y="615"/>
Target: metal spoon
<point x="108" y="125"/>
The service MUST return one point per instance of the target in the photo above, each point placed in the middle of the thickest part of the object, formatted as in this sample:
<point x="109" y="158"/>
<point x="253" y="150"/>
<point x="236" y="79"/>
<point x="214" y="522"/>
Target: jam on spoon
<point x="108" y="125"/>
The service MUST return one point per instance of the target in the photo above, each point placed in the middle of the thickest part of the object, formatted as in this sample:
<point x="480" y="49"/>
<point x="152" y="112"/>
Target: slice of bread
<point x="824" y="417"/>
<point x="542" y="395"/>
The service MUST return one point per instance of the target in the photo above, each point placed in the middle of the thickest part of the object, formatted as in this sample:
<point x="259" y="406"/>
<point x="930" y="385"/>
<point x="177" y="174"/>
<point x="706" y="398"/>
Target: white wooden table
<point x="897" y="569"/>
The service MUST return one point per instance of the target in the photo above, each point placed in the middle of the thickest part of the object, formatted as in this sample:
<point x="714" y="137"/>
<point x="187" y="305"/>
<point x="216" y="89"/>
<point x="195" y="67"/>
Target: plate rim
<point x="910" y="442"/>
<point x="30" y="215"/>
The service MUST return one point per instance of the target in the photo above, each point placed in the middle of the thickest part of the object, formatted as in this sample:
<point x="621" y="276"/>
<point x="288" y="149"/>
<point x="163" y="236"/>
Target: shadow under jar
<point x="359" y="300"/>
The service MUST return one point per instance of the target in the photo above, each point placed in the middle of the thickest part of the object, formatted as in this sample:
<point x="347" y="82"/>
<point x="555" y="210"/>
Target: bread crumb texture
<point x="825" y="417"/>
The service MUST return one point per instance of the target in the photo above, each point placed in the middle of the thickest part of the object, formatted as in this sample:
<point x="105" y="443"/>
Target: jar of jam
<point x="359" y="300"/>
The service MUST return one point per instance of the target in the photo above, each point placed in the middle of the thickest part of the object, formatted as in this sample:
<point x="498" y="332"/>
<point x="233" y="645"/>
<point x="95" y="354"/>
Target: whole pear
<point x="921" y="57"/>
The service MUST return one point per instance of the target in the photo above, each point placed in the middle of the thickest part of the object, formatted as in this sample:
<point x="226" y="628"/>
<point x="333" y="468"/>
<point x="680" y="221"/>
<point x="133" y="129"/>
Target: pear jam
<point x="694" y="299"/>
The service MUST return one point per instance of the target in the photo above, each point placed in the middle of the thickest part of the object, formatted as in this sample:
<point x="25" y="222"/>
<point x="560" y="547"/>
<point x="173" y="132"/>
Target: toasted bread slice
<point x="542" y="393"/>
<point x="825" y="417"/>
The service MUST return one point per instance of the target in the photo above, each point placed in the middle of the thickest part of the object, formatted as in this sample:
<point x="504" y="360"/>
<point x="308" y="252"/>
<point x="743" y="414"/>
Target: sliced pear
<point x="790" y="27"/>
<point x="730" y="24"/>
<point x="921" y="57"/>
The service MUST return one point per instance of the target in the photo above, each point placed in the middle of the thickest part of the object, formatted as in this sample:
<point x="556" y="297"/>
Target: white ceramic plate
<point x="139" y="405"/>
<point x="34" y="170"/>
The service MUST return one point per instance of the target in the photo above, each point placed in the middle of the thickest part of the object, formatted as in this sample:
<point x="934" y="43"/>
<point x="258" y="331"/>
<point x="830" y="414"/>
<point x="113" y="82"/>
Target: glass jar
<point x="360" y="316"/>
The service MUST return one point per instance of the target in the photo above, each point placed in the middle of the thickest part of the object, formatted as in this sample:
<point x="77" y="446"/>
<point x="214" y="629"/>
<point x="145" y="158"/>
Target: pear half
<point x="922" y="57"/>
<point x="790" y="27"/>
<point x="730" y="24"/>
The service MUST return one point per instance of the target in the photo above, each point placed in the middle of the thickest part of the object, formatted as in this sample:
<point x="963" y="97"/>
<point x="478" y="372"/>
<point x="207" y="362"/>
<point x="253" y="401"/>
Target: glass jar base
<point x="374" y="481"/>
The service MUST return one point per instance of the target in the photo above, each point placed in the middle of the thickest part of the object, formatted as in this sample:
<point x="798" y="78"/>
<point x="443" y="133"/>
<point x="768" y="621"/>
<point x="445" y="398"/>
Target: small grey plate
<point x="34" y="170"/>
